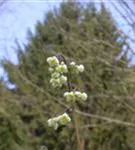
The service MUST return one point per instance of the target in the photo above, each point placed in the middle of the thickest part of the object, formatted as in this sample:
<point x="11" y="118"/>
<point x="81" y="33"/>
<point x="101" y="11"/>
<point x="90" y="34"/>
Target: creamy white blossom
<point x="65" y="94"/>
<point x="58" y="72"/>
<point x="63" y="79"/>
<point x="64" y="119"/>
<point x="83" y="96"/>
<point x="77" y="93"/>
<point x="80" y="68"/>
<point x="51" y="70"/>
<point x="62" y="68"/>
<point x="70" y="96"/>
<point x="53" y="61"/>
<point x="72" y="63"/>
<point x="55" y="82"/>
<point x="60" y="120"/>
<point x="75" y="96"/>
<point x="55" y="75"/>
<point x="76" y="68"/>
<point x="53" y="122"/>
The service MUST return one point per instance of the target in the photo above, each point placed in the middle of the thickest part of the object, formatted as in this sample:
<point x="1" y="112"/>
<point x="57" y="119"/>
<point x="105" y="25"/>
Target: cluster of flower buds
<point x="76" y="68"/>
<point x="57" y="70"/>
<point x="75" y="96"/>
<point x="60" y="120"/>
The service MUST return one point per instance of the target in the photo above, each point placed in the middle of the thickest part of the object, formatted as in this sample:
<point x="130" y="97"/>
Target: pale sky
<point x="16" y="16"/>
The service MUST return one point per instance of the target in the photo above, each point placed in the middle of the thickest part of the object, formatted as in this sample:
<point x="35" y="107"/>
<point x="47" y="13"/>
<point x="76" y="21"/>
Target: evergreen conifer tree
<point x="91" y="37"/>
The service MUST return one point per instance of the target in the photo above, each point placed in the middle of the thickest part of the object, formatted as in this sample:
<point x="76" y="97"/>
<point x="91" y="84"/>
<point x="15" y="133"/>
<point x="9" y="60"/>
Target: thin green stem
<point x="68" y="74"/>
<point x="80" y="145"/>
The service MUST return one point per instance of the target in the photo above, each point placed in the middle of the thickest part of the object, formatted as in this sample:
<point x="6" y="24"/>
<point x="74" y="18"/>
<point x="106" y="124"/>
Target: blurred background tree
<point x="90" y="36"/>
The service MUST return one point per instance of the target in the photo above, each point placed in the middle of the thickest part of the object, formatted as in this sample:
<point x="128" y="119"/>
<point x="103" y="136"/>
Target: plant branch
<point x="111" y="120"/>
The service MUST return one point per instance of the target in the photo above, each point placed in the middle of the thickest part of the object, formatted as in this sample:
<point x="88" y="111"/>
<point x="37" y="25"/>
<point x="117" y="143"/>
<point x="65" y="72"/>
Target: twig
<point x="128" y="124"/>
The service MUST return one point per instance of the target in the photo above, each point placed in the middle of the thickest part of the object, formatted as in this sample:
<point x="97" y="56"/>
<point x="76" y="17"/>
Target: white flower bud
<point x="76" y="68"/>
<point x="75" y="96"/>
<point x="50" y="122"/>
<point x="80" y="68"/>
<point x="65" y="94"/>
<point x="53" y="61"/>
<point x="63" y="79"/>
<point x="55" y="75"/>
<point x="52" y="80"/>
<point x="55" y="82"/>
<point x="72" y="63"/>
<point x="83" y="96"/>
<point x="62" y="63"/>
<point x="77" y="93"/>
<point x="60" y="120"/>
<point x="53" y="122"/>
<point x="62" y="68"/>
<point x="70" y="96"/>
<point x="51" y="70"/>
<point x="64" y="119"/>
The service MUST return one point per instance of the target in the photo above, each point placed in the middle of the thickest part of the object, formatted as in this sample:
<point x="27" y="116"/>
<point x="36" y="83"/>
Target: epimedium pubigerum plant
<point x="60" y="70"/>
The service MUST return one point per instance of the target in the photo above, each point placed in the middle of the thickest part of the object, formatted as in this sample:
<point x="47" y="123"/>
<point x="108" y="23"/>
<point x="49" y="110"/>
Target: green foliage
<point x="12" y="129"/>
<point x="89" y="37"/>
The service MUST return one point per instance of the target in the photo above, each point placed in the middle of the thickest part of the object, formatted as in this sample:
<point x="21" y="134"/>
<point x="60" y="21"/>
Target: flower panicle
<point x="75" y="96"/>
<point x="60" y="120"/>
<point x="59" y="76"/>
<point x="58" y="70"/>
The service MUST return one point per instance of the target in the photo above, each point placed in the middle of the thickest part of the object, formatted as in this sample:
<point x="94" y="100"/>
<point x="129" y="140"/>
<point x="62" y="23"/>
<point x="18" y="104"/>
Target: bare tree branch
<point x="108" y="119"/>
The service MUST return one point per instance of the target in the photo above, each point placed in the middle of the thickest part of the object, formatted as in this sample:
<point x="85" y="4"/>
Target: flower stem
<point x="80" y="145"/>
